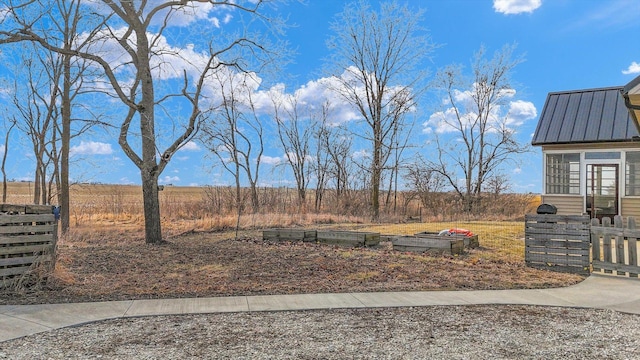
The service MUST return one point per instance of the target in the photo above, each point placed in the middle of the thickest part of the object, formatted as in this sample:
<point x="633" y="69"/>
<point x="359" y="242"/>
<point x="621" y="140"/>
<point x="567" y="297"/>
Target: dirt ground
<point x="118" y="265"/>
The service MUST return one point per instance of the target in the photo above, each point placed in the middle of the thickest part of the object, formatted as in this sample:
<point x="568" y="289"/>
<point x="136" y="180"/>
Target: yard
<point x="100" y="263"/>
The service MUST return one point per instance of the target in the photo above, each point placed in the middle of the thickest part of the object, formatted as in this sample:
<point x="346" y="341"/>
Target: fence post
<point x="619" y="239"/>
<point x="595" y="242"/>
<point x="606" y="243"/>
<point x="632" y="242"/>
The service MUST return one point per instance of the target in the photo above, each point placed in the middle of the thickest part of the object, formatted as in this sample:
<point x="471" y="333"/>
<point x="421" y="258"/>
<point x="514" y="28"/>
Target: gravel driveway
<point x="438" y="332"/>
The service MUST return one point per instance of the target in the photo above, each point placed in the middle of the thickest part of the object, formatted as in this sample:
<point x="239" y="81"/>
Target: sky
<point x="565" y="44"/>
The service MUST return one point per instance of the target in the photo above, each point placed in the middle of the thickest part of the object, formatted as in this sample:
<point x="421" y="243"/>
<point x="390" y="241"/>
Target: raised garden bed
<point x="348" y="238"/>
<point x="289" y="235"/>
<point x="442" y="244"/>
<point x="470" y="242"/>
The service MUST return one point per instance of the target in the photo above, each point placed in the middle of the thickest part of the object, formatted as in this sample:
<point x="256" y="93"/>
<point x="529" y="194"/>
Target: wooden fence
<point x="615" y="247"/>
<point x="28" y="235"/>
<point x="557" y="242"/>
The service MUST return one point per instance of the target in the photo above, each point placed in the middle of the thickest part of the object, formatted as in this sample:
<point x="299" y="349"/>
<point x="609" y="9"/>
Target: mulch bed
<point x="119" y="266"/>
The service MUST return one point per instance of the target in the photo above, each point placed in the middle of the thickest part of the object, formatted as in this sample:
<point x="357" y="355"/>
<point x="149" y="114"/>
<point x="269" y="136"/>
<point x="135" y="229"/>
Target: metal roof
<point x="585" y="116"/>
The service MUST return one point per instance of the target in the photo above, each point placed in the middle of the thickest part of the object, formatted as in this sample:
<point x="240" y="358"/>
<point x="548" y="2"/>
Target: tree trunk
<point x="376" y="171"/>
<point x="4" y="161"/>
<point x="255" y="201"/>
<point x="63" y="198"/>
<point x="152" y="226"/>
<point x="36" y="184"/>
<point x="238" y="195"/>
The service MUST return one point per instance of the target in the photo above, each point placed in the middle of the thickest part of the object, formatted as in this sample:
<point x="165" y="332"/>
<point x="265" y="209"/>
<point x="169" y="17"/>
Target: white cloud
<point x="91" y="148"/>
<point x="517" y="170"/>
<point x="293" y="157"/>
<point x="191" y="146"/>
<point x="516" y="6"/>
<point x="360" y="154"/>
<point x="315" y="94"/>
<point x="520" y="111"/>
<point x="1" y="149"/>
<point x="513" y="114"/>
<point x="270" y="160"/>
<point x="634" y="68"/>
<point x="168" y="180"/>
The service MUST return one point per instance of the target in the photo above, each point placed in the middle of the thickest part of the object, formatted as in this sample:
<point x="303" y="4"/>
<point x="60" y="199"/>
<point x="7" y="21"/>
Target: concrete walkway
<point x="597" y="291"/>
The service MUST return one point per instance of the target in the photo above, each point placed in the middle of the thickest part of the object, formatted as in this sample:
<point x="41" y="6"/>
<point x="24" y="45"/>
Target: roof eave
<point x="631" y="95"/>
<point x="583" y="142"/>
<point x="632" y="87"/>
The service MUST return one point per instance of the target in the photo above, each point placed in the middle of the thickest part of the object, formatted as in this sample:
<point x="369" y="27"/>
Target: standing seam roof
<point x="584" y="116"/>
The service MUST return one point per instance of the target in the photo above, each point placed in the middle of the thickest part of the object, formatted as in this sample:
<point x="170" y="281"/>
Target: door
<point x="602" y="190"/>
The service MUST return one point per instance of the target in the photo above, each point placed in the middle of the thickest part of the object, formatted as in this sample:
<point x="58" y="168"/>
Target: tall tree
<point x="337" y="142"/>
<point x="73" y="70"/>
<point x="137" y="61"/>
<point x="295" y="132"/>
<point x="63" y="78"/>
<point x="377" y="60"/>
<point x="478" y="116"/>
<point x="35" y="102"/>
<point x="11" y="123"/>
<point x="234" y="134"/>
<point x="322" y="160"/>
<point x="424" y="182"/>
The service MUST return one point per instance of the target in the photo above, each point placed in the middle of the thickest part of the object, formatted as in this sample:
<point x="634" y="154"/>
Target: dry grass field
<point x="104" y="256"/>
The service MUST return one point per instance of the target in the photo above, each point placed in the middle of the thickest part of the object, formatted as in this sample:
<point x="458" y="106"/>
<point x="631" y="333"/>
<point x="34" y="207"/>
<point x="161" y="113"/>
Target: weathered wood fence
<point x="28" y="235"/>
<point x="578" y="244"/>
<point x="615" y="247"/>
<point x="556" y="242"/>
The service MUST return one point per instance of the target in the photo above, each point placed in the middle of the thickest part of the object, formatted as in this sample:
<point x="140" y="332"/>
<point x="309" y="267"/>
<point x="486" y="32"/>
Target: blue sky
<point x="566" y="44"/>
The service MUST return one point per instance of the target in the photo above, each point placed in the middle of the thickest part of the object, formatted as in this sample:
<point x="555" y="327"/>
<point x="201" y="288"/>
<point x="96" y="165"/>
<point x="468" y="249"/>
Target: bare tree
<point x="73" y="71"/>
<point x="295" y="132"/>
<point x="234" y="134"/>
<point x="12" y="124"/>
<point x="424" y="182"/>
<point x="497" y="184"/>
<point x="377" y="61"/>
<point x="484" y="138"/>
<point x="323" y="140"/>
<point x="137" y="30"/>
<point x="55" y="82"/>
<point x="337" y="142"/>
<point x="34" y="99"/>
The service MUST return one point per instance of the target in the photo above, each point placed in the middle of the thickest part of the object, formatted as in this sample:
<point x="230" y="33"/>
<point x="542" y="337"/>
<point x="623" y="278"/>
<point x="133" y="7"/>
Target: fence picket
<point x="632" y="247"/>
<point x="595" y="242"/>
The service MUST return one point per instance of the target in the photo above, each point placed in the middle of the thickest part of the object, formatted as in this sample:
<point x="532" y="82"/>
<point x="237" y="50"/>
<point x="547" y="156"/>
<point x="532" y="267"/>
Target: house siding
<point x="566" y="204"/>
<point x="631" y="206"/>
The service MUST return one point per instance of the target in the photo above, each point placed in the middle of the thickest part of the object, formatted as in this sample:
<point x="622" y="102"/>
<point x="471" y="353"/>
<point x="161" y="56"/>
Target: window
<point x="563" y="174"/>
<point x="602" y="155"/>
<point x="632" y="173"/>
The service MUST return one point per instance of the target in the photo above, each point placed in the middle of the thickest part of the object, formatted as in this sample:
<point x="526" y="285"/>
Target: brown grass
<point x="104" y="256"/>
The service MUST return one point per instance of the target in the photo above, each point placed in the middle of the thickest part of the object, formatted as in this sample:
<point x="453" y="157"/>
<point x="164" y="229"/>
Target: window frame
<point x="573" y="180"/>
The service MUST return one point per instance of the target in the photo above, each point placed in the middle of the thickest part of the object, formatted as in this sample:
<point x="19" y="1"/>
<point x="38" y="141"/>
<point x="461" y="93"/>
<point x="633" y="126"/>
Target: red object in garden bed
<point x="456" y="231"/>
